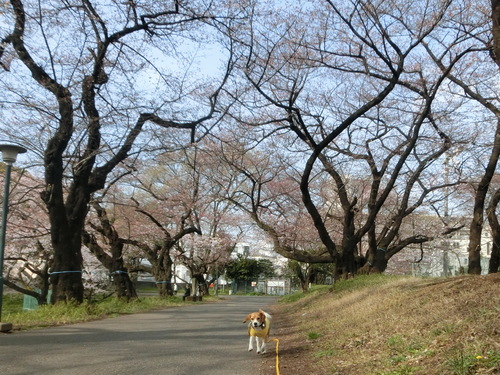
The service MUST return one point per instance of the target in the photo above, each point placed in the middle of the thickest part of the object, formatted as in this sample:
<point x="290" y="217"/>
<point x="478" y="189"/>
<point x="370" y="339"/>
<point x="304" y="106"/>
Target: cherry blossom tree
<point x="29" y="255"/>
<point x="28" y="248"/>
<point x="204" y="256"/>
<point x="474" y="78"/>
<point x="88" y="84"/>
<point x="357" y="89"/>
<point x="191" y="217"/>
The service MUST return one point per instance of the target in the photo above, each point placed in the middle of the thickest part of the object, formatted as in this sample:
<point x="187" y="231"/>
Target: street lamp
<point x="9" y="156"/>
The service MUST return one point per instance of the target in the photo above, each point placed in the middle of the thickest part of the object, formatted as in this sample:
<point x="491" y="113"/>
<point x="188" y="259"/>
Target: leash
<point x="277" y="354"/>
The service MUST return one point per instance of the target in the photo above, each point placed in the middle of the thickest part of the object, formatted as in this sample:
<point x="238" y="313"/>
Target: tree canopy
<point x="346" y="131"/>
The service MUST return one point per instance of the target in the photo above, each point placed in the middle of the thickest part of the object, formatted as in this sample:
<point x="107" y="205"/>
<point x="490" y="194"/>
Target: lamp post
<point x="9" y="156"/>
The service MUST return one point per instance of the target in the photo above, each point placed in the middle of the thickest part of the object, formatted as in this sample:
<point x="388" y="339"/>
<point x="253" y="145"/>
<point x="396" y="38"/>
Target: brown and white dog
<point x="258" y="329"/>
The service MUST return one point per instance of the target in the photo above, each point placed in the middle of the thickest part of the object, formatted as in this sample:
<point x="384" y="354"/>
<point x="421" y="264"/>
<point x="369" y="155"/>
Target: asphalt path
<point x="196" y="339"/>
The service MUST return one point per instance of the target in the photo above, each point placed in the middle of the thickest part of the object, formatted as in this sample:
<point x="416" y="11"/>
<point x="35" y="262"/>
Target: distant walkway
<point x="197" y="339"/>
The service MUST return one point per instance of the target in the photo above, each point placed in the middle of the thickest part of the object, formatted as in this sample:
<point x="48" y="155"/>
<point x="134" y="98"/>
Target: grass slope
<point x="385" y="325"/>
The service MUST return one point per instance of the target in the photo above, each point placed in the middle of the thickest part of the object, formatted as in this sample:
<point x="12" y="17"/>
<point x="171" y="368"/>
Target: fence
<point x="274" y="287"/>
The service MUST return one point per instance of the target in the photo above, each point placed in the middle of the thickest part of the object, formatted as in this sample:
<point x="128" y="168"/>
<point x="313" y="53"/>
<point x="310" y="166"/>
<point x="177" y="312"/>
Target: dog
<point x="259" y="326"/>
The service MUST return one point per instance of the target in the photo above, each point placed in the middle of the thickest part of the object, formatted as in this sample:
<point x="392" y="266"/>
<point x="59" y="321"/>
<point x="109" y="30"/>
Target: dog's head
<point x="257" y="319"/>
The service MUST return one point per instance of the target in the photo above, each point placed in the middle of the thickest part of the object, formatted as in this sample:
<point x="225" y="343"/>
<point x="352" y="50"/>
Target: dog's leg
<point x="261" y="346"/>
<point x="250" y="344"/>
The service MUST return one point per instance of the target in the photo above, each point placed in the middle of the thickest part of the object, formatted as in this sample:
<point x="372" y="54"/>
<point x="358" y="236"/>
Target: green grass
<point x="467" y="363"/>
<point x="313" y="335"/>
<point x="298" y="295"/>
<point x="404" y="370"/>
<point x="359" y="282"/>
<point x="66" y="313"/>
<point x="12" y="303"/>
<point x="363" y="281"/>
<point x="325" y="353"/>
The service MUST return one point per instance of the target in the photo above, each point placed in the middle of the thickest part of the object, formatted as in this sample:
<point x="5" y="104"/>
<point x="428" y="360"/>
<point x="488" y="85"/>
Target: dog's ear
<point x="249" y="316"/>
<point x="262" y="318"/>
<point x="262" y="315"/>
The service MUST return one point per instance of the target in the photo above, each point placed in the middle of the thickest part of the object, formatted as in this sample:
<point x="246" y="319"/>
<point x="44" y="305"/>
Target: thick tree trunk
<point x="162" y="272"/>
<point x="124" y="286"/>
<point x="42" y="299"/>
<point x="476" y="226"/>
<point x="304" y="285"/>
<point x="494" y="265"/>
<point x="375" y="259"/>
<point x="474" y="248"/>
<point x="379" y="261"/>
<point x="345" y="265"/>
<point x="202" y="284"/>
<point x="66" y="273"/>
<point x="495" y="30"/>
<point x="304" y="275"/>
<point x="165" y="288"/>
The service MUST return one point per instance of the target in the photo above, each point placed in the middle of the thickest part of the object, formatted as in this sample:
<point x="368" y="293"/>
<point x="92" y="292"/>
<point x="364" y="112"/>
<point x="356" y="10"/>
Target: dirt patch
<point x="293" y="350"/>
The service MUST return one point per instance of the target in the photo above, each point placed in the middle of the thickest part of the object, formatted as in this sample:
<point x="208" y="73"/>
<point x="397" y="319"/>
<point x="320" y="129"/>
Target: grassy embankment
<point x="381" y="325"/>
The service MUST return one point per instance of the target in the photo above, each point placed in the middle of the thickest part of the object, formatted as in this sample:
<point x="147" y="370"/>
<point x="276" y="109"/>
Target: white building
<point x="445" y="257"/>
<point x="259" y="251"/>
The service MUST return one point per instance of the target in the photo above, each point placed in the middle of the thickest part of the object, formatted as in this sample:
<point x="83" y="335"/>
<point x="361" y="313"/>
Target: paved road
<point x="196" y="339"/>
